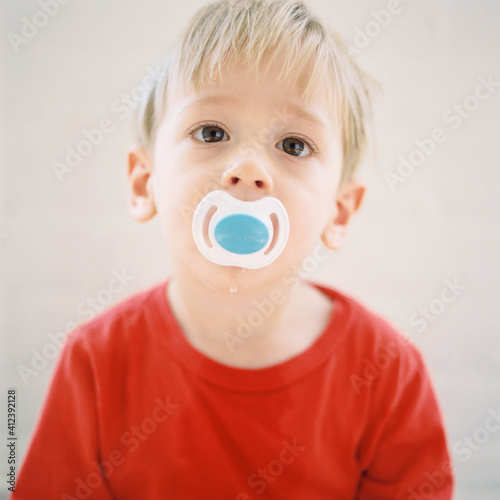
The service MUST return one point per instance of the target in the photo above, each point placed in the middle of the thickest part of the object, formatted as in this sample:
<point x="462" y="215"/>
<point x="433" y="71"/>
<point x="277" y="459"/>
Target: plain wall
<point x="438" y="224"/>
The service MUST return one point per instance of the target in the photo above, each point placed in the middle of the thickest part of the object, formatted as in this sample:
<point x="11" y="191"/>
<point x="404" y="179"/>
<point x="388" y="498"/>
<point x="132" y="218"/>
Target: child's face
<point x="252" y="137"/>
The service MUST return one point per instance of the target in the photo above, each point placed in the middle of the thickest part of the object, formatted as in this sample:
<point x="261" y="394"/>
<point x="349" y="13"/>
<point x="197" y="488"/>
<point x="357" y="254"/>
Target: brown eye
<point x="210" y="133"/>
<point x="294" y="147"/>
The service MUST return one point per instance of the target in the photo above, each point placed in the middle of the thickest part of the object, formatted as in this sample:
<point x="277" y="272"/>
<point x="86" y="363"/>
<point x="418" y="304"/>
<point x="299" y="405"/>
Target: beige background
<point x="60" y="241"/>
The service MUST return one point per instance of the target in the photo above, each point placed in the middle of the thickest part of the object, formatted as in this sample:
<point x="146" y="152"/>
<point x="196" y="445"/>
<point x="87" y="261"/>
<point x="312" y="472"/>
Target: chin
<point x="234" y="280"/>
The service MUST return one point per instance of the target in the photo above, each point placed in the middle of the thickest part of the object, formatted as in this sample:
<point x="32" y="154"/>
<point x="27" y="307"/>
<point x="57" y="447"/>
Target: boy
<point x="236" y="379"/>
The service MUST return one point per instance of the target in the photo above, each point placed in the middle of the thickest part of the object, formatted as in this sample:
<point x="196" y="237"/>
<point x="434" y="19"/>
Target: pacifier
<point x="232" y="232"/>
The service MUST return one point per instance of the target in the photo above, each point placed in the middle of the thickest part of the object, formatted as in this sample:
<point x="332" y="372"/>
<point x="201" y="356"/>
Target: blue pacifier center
<point x="241" y="234"/>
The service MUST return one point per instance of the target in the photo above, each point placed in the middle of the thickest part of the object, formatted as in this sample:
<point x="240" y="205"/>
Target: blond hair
<point x="244" y="31"/>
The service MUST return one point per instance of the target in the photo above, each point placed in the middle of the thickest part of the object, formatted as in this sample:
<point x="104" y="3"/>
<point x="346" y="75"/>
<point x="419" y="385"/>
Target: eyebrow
<point x="209" y="99"/>
<point x="304" y="114"/>
<point x="298" y="111"/>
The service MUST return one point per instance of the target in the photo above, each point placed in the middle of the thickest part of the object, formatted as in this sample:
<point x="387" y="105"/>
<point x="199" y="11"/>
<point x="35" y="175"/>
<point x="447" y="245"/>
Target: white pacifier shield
<point x="232" y="232"/>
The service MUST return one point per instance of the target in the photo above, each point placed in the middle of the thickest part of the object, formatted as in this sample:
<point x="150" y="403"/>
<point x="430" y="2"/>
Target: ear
<point x="348" y="201"/>
<point x="140" y="177"/>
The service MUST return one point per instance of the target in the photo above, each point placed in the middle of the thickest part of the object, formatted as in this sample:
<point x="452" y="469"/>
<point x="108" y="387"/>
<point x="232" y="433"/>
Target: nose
<point x="247" y="176"/>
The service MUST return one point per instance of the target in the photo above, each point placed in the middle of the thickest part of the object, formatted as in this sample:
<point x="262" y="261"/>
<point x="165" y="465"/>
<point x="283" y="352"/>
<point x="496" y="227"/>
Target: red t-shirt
<point x="352" y="417"/>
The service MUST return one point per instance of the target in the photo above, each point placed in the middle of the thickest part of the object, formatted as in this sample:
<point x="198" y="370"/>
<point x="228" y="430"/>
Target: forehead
<point x="260" y="89"/>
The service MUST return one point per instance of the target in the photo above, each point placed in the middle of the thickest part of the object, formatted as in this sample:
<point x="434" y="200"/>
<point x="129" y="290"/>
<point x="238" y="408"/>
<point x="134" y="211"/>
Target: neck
<point x="245" y="326"/>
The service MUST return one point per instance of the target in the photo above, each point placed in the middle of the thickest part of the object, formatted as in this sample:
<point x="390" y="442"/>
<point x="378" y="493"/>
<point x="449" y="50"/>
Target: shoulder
<point x="132" y="317"/>
<point x="375" y="351"/>
<point x="126" y="342"/>
<point x="359" y="320"/>
<point x="391" y="403"/>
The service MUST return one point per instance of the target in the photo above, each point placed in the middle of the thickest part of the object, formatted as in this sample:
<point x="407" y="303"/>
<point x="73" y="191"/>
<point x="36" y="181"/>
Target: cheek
<point x="304" y="230"/>
<point x="172" y="207"/>
<point x="178" y="195"/>
<point x="310" y="210"/>
<point x="184" y="181"/>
